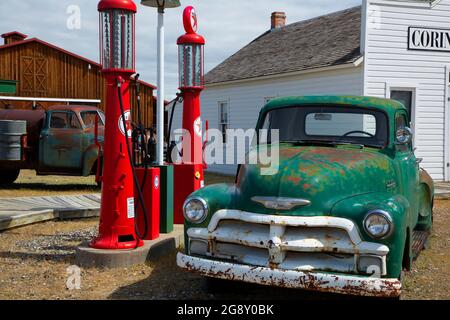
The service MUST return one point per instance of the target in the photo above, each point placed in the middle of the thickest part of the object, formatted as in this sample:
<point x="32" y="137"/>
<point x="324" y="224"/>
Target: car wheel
<point x="8" y="176"/>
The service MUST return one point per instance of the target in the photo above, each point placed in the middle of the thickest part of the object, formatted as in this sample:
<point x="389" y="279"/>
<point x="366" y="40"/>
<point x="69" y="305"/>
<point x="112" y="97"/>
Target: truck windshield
<point x="326" y="125"/>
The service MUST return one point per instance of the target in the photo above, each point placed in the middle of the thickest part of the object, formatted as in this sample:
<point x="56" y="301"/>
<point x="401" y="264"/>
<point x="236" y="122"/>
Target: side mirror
<point x="403" y="136"/>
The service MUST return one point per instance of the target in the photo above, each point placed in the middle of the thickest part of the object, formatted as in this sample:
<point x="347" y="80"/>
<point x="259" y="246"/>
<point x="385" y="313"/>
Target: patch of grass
<point x="29" y="184"/>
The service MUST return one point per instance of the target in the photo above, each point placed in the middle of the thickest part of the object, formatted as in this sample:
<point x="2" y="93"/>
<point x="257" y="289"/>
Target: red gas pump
<point x="117" y="45"/>
<point x="188" y="176"/>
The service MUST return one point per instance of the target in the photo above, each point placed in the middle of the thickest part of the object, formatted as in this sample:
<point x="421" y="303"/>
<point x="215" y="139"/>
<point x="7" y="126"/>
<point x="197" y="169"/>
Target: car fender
<point x="217" y="196"/>
<point x="89" y="158"/>
<point x="357" y="207"/>
<point x="426" y="180"/>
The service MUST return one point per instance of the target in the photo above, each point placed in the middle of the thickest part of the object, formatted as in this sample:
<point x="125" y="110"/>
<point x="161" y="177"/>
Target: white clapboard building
<point x="396" y="49"/>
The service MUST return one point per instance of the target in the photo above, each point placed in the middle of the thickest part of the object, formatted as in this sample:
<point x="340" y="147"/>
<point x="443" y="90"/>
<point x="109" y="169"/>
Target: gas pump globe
<point x="117" y="34"/>
<point x="190" y="53"/>
<point x="117" y="51"/>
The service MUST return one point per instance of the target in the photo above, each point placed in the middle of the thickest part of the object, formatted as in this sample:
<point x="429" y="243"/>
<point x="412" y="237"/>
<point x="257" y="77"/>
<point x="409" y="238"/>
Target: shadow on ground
<point x="62" y="255"/>
<point x="177" y="284"/>
<point x="51" y="187"/>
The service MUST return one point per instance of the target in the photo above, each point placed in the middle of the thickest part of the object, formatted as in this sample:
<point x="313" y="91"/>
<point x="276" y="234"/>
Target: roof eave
<point x="348" y="65"/>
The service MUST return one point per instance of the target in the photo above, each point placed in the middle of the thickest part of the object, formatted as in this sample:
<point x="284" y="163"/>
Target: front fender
<point x="89" y="158"/>
<point x="217" y="196"/>
<point x="426" y="179"/>
<point x="357" y="207"/>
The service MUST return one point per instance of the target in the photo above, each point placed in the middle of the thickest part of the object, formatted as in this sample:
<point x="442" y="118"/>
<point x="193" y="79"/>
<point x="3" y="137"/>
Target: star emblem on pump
<point x="127" y="115"/>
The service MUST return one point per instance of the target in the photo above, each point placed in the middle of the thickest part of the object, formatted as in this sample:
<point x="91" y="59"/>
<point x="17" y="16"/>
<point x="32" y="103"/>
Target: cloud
<point x="227" y="25"/>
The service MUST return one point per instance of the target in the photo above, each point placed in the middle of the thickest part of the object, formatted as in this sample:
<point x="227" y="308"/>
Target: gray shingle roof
<point x="324" y="41"/>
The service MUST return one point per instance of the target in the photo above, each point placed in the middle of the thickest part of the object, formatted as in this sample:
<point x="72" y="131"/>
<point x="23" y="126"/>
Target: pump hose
<point x="178" y="99"/>
<point x="144" y="153"/>
<point x="135" y="178"/>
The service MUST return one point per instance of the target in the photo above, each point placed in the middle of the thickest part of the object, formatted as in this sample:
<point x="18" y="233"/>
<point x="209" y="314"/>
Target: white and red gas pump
<point x="117" y="45"/>
<point x="188" y="175"/>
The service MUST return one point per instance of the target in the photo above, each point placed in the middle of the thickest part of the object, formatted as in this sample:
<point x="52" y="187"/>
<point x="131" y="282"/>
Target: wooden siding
<point x="42" y="71"/>
<point x="390" y="65"/>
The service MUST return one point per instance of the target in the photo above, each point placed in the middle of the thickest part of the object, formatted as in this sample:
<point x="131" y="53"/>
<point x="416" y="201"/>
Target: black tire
<point x="8" y="177"/>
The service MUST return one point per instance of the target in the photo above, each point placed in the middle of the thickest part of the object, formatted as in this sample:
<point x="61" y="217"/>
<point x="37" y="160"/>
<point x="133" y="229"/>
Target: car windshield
<point x="326" y="125"/>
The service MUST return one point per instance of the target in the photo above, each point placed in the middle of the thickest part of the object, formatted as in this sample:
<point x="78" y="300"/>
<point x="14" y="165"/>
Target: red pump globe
<point x="190" y="53"/>
<point x="117" y="34"/>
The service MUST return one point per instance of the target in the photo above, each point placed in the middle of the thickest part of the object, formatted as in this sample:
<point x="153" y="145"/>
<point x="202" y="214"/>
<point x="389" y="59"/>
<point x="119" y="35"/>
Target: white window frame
<point x="447" y="125"/>
<point x="220" y="103"/>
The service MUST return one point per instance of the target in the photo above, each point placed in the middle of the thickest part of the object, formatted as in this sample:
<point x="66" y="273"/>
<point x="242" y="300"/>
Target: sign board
<point x="8" y="86"/>
<point x="428" y="39"/>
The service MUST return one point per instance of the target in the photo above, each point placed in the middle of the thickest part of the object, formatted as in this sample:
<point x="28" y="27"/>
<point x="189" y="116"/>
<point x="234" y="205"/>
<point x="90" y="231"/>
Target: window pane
<point x="74" y="122"/>
<point x="59" y="120"/>
<point x="405" y="98"/>
<point x="328" y="123"/>
<point x="88" y="118"/>
<point x="64" y="120"/>
<point x="337" y="124"/>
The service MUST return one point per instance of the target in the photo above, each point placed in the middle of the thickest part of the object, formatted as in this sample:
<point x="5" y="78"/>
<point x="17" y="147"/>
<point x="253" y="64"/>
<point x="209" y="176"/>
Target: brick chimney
<point x="12" y="37"/>
<point x="278" y="20"/>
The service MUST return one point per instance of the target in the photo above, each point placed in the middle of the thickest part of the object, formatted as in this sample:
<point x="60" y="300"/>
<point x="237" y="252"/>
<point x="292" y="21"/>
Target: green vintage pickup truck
<point x="347" y="211"/>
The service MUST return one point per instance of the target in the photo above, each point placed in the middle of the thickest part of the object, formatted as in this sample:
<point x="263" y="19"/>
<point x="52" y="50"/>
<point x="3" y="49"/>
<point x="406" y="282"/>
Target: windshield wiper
<point x="326" y="143"/>
<point x="311" y="142"/>
<point x="361" y="146"/>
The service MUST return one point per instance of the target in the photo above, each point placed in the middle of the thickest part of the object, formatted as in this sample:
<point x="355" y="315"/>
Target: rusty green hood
<point x="322" y="175"/>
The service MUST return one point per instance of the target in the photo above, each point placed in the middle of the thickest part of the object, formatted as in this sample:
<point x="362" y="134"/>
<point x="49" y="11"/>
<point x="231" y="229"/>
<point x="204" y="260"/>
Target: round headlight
<point x="195" y="210"/>
<point x="378" y="224"/>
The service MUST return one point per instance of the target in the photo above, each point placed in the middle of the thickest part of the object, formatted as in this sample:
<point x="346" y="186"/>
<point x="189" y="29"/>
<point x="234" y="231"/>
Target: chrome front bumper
<point x="324" y="282"/>
<point x="320" y="253"/>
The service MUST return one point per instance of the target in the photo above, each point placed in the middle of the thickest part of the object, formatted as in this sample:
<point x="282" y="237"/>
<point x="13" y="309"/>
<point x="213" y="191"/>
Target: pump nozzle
<point x="135" y="76"/>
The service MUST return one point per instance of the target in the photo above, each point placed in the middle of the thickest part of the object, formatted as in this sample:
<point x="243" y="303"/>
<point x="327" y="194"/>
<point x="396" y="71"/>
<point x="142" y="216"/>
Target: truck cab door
<point x="409" y="168"/>
<point x="61" y="141"/>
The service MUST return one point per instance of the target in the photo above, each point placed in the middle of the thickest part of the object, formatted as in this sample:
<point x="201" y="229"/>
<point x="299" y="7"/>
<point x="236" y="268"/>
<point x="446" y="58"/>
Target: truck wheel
<point x="8" y="176"/>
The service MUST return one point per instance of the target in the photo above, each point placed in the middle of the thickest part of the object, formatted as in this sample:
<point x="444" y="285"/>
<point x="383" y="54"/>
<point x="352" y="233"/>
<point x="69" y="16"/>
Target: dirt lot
<point x="34" y="261"/>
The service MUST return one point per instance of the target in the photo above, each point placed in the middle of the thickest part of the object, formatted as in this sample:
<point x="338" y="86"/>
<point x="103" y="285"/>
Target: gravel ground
<point x="34" y="261"/>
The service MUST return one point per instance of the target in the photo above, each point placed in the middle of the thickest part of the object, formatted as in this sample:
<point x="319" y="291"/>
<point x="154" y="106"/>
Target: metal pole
<point x="160" y="84"/>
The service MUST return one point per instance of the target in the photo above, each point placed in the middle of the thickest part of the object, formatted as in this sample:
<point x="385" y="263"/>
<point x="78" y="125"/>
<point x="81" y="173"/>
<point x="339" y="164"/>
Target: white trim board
<point x="407" y="3"/>
<point x="447" y="125"/>
<point x="407" y="86"/>
<point x="355" y="64"/>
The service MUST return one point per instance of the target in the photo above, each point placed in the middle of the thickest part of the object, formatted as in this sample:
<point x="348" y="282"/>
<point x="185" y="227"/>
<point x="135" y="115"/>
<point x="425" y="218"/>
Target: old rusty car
<point x="347" y="211"/>
<point x="59" y="141"/>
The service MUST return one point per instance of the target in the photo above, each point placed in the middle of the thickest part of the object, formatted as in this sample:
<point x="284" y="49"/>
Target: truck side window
<point x="64" y="120"/>
<point x="88" y="118"/>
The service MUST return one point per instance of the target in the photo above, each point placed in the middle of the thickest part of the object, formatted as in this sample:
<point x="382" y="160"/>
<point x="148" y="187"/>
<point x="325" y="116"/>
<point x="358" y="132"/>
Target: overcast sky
<point x="227" y="25"/>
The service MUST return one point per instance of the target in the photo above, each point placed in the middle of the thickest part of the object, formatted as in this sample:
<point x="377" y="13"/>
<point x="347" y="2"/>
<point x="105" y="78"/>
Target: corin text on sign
<point x="428" y="39"/>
